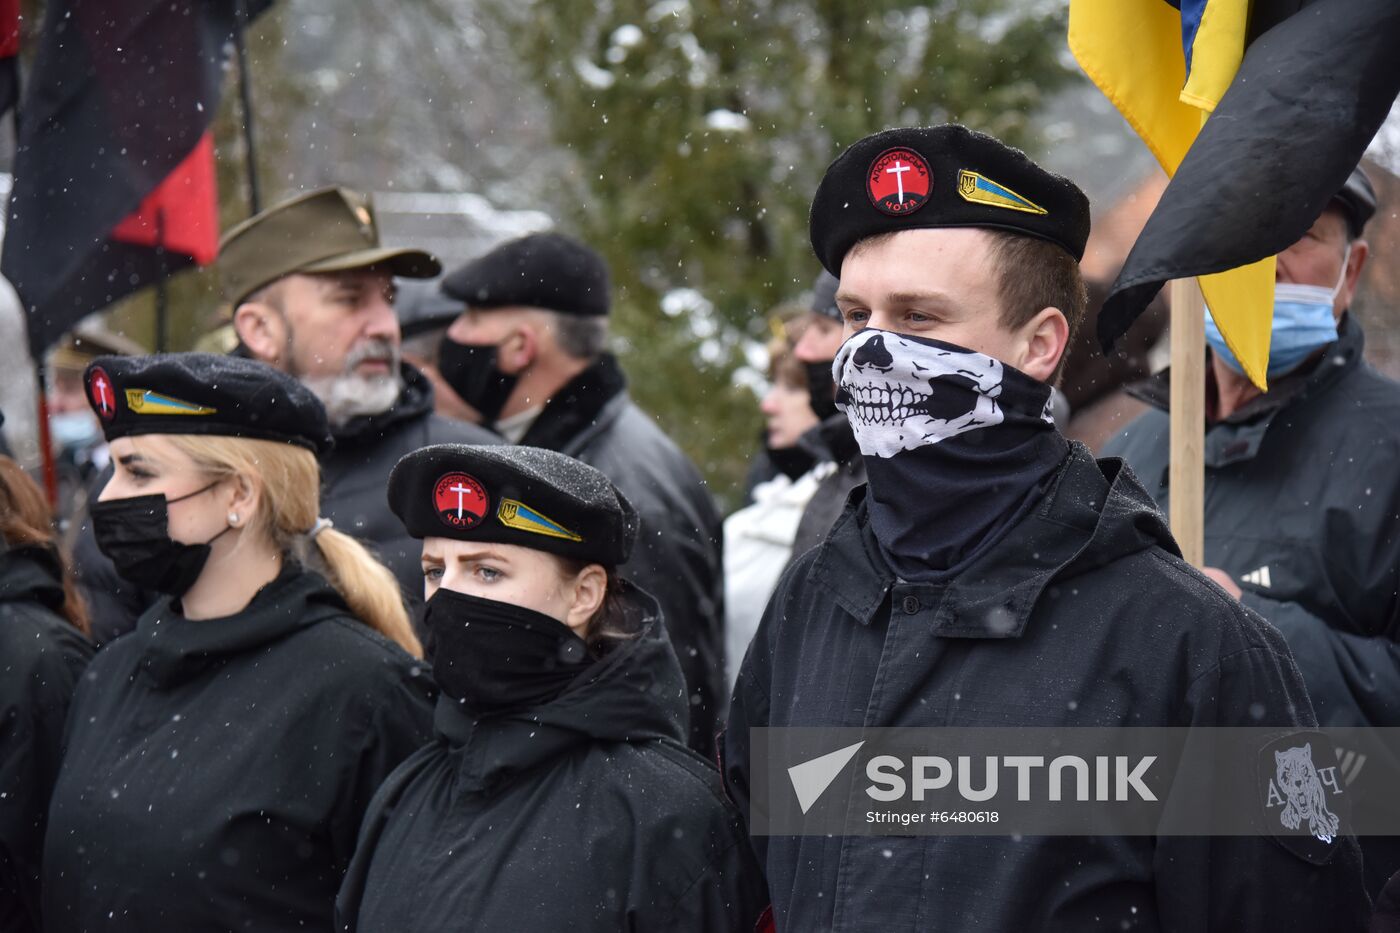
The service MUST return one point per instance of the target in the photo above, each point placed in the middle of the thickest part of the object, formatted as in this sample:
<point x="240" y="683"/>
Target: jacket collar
<point x="578" y="406"/>
<point x="174" y="649"/>
<point x="31" y="573"/>
<point x="415" y="401"/>
<point x="1238" y="437"/>
<point x="1093" y="512"/>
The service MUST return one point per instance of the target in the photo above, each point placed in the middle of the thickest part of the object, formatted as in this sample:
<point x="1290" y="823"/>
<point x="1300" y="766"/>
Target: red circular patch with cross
<point x="899" y="181"/>
<point x="102" y="395"/>
<point x="460" y="500"/>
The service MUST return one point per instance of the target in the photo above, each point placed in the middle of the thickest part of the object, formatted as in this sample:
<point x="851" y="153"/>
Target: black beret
<point x="503" y="494"/>
<point x="941" y="176"/>
<point x="204" y="393"/>
<point x="543" y="270"/>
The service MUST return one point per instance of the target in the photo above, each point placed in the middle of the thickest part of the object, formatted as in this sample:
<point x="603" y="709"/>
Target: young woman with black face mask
<point x="559" y="794"/>
<point x="220" y="757"/>
<point x="42" y="654"/>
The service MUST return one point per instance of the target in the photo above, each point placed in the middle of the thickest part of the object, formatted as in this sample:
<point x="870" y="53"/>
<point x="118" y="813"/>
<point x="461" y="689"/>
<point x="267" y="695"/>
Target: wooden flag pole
<point x="1188" y="420"/>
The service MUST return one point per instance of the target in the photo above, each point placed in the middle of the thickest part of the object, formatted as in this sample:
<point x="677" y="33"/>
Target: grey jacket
<point x="678" y="553"/>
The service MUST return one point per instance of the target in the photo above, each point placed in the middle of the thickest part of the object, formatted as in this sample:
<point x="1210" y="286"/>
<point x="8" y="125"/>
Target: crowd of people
<point x="384" y="624"/>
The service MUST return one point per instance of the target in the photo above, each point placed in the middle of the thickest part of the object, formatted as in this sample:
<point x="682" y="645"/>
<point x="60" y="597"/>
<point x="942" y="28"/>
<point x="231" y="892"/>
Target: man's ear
<point x="520" y="348"/>
<point x="263" y="330"/>
<point x="1046" y="339"/>
<point x="1356" y="262"/>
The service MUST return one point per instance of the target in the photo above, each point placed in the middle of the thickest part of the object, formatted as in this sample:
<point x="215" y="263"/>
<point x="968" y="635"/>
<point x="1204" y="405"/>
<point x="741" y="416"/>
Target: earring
<point x="233" y="519"/>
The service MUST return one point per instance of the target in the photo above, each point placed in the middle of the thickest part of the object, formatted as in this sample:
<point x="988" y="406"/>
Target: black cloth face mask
<point x="134" y="533"/>
<point x="821" y="391"/>
<point x="471" y="370"/>
<point x="496" y="657"/>
<point x="956" y="446"/>
<point x="793" y="462"/>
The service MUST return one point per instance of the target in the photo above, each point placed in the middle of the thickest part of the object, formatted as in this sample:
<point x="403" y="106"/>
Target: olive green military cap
<point x="328" y="230"/>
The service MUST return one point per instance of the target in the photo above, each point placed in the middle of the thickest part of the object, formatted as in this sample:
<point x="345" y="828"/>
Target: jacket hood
<point x="30" y="574"/>
<point x="1095" y="512"/>
<point x="635" y="692"/>
<point x="415" y="401"/>
<point x="175" y="649"/>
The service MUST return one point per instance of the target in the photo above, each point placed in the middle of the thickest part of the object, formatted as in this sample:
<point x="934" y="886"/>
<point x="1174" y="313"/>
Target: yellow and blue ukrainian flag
<point x="1165" y="64"/>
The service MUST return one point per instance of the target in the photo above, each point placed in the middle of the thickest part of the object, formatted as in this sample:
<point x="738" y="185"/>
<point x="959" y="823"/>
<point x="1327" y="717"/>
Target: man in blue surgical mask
<point x="1302" y="503"/>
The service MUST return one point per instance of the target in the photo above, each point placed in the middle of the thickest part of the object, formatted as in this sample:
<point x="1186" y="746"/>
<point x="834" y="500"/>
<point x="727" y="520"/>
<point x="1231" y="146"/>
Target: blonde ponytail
<point x="367" y="586"/>
<point x="290" y="481"/>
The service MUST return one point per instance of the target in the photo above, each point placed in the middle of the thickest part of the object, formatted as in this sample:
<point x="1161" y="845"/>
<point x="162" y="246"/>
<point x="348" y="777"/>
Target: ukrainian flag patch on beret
<point x="146" y="402"/>
<point x="979" y="189"/>
<point x="516" y="514"/>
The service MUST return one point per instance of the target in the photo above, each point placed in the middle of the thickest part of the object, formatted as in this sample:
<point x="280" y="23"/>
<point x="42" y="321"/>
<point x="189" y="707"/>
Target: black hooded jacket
<point x="586" y="813"/>
<point x="354" y="475"/>
<point x="1083" y="614"/>
<point x="217" y="770"/>
<point x="41" y="658"/>
<point x="678" y="553"/>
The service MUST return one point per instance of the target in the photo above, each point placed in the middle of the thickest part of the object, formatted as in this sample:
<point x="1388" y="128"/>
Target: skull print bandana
<point x="957" y="446"/>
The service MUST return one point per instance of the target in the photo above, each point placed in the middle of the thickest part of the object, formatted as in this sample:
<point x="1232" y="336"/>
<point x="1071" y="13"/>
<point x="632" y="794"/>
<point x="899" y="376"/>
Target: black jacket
<point x="677" y="556"/>
<point x="354" y="475"/>
<point x="1083" y="615"/>
<point x="217" y="770"/>
<point x="834" y="441"/>
<point x="41" y="658"/>
<point x="584" y="813"/>
<point x="1302" y="509"/>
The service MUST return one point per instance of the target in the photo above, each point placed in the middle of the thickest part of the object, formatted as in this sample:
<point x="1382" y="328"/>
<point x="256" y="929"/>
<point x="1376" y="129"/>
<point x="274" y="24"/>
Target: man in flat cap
<point x="312" y="294"/>
<point x="1302" y="504"/>
<point x="993" y="574"/>
<point x="529" y="352"/>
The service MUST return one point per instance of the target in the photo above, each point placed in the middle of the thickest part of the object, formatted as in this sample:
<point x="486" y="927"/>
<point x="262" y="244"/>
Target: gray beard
<point x="347" y="397"/>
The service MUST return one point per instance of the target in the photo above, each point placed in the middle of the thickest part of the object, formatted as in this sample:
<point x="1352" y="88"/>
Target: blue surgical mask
<point x="74" y="429"/>
<point x="1303" y="324"/>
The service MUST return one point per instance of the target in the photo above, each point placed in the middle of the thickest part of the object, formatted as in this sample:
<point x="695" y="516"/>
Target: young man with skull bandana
<point x="992" y="573"/>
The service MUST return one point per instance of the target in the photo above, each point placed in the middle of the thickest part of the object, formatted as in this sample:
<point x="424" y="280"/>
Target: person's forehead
<point x="915" y="261"/>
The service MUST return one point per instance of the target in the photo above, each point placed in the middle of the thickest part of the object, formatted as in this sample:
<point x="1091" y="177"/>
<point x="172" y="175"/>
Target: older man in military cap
<point x="992" y="573"/>
<point x="312" y="293"/>
<point x="529" y="352"/>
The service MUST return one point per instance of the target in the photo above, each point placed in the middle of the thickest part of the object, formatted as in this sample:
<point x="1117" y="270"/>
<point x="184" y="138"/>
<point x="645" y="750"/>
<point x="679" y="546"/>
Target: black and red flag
<point x="9" y="55"/>
<point x="114" y="174"/>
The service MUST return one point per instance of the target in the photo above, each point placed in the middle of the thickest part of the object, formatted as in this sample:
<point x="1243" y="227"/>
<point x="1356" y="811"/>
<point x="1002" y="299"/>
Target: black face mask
<point x="820" y="389"/>
<point x="134" y="533"/>
<point x="495" y="657"/>
<point x="792" y="462"/>
<point x="470" y="369"/>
